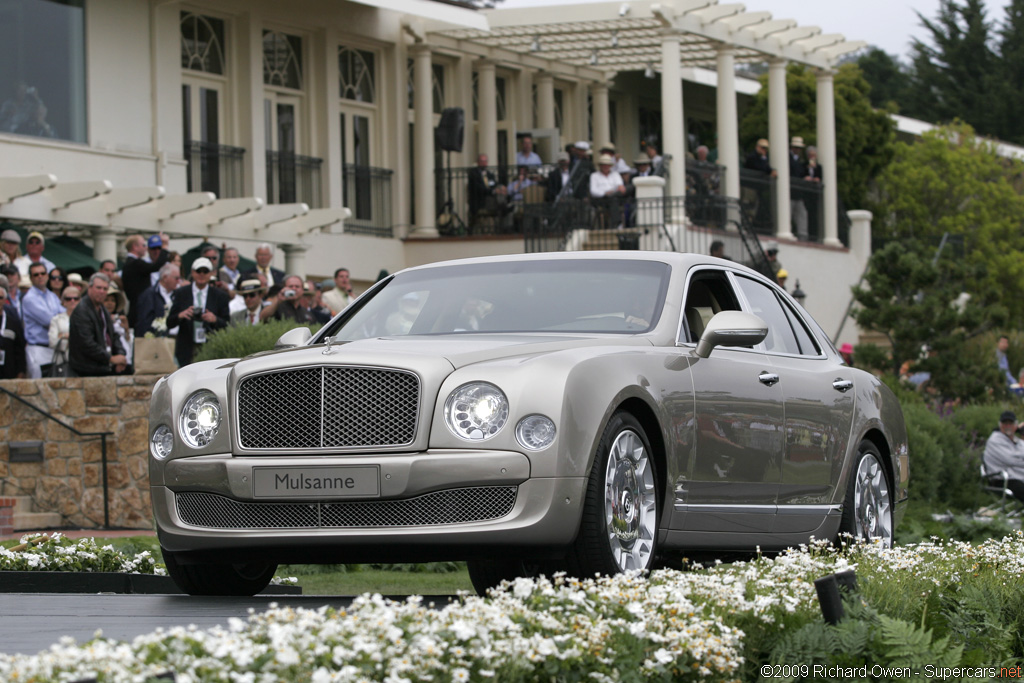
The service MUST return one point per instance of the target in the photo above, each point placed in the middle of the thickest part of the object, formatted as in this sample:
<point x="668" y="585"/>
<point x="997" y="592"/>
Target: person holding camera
<point x="287" y="305"/>
<point x="1004" y="452"/>
<point x="197" y="309"/>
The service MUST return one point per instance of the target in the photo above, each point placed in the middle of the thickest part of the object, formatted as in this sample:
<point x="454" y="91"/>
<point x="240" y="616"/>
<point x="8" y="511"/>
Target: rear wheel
<point x="619" y="528"/>
<point x="219" y="579"/>
<point x="867" y="510"/>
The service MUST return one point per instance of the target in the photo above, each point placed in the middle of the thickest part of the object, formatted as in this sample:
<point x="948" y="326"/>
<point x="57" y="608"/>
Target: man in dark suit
<point x="264" y="272"/>
<point x="196" y="310"/>
<point x="558" y="179"/>
<point x="156" y="301"/>
<point x="136" y="271"/>
<point x="13" y="364"/>
<point x="94" y="348"/>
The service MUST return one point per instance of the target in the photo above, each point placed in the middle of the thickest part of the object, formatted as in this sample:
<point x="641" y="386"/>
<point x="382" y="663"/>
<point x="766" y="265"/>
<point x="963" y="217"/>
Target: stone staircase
<point x="23" y="518"/>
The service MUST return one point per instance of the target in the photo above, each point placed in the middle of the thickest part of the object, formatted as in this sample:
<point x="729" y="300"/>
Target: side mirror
<point x="292" y="338"/>
<point x="731" y="328"/>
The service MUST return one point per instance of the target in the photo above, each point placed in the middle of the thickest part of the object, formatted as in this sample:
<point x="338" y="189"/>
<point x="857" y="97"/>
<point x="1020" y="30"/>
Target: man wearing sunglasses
<point x="38" y="308"/>
<point x="251" y="292"/>
<point x="34" y="247"/>
<point x="197" y="309"/>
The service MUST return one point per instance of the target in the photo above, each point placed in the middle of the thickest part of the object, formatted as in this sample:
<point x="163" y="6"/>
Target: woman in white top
<point x="59" y="324"/>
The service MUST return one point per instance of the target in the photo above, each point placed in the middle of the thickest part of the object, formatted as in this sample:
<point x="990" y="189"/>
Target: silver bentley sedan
<point x="587" y="412"/>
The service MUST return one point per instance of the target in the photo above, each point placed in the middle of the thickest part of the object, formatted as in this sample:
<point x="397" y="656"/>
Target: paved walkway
<point x="84" y="533"/>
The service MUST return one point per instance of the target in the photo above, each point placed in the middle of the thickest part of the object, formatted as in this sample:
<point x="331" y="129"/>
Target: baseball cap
<point x="36" y="235"/>
<point x="154" y="242"/>
<point x="782" y="273"/>
<point x="202" y="262"/>
<point x="1007" y="416"/>
<point x="562" y="156"/>
<point x="11" y="236"/>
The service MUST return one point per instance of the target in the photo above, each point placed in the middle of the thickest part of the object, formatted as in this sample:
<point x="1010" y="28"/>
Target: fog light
<point x="535" y="432"/>
<point x="161" y="442"/>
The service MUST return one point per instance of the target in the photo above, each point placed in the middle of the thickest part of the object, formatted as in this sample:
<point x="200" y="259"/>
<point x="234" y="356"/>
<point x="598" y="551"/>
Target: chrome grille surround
<point x="451" y="506"/>
<point x="336" y="407"/>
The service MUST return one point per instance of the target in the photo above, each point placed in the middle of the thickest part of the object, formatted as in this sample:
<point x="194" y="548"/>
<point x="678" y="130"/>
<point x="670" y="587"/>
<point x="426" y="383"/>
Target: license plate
<point x="322" y="481"/>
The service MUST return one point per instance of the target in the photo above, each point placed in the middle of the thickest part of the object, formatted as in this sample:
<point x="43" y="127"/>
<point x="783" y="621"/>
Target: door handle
<point x="768" y="378"/>
<point x="841" y="384"/>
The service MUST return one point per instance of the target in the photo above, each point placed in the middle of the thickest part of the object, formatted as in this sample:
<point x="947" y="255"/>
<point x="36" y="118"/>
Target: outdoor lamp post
<point x="799" y="294"/>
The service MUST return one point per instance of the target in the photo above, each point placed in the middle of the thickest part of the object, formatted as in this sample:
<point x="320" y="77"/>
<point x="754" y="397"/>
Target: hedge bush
<point x="238" y="341"/>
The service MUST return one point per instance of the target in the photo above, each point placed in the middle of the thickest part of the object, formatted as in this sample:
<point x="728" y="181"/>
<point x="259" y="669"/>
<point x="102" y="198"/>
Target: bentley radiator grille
<point x="328" y="407"/>
<point x="452" y="506"/>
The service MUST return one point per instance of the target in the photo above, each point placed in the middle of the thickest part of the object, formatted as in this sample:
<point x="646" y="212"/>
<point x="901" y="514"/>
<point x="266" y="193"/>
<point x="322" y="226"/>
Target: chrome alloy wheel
<point x="871" y="502"/>
<point x="630" y="503"/>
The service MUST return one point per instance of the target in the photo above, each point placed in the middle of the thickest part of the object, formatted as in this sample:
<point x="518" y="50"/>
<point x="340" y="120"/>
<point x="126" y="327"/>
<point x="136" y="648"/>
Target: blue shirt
<point x="37" y="310"/>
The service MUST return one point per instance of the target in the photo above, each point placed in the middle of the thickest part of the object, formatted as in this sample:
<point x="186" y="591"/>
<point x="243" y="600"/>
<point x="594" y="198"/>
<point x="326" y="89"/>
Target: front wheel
<point x="219" y="579"/>
<point x="867" y="510"/>
<point x="619" y="528"/>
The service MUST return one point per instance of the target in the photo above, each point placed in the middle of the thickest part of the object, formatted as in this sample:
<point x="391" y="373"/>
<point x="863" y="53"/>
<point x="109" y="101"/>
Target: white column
<point x="295" y="259"/>
<point x="423" y="142"/>
<point x="673" y="122"/>
<point x="778" y="150"/>
<point x="487" y="110"/>
<point x="104" y="244"/>
<point x="545" y="100"/>
<point x="602" y="124"/>
<point x="728" y="126"/>
<point x="860" y="236"/>
<point x="827" y="157"/>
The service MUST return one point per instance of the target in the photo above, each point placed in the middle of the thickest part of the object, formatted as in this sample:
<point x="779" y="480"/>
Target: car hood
<point x="457" y="350"/>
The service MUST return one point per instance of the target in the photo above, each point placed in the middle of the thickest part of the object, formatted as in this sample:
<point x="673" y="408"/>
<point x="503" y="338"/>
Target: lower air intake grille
<point x="453" y="506"/>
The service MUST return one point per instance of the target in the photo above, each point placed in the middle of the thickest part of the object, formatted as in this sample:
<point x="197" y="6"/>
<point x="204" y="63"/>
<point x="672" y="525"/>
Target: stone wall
<point x="68" y="481"/>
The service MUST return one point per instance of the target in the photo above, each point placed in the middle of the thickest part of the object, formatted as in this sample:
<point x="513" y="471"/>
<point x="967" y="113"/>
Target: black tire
<point x="635" y="502"/>
<point x="485" y="574"/>
<point x="219" y="579"/>
<point x="867" y="508"/>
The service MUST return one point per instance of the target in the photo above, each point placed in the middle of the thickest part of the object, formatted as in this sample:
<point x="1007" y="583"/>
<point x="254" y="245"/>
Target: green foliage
<point x="886" y="76"/>
<point x="865" y="638"/>
<point x="864" y="137"/>
<point x="238" y="341"/>
<point x="909" y="297"/>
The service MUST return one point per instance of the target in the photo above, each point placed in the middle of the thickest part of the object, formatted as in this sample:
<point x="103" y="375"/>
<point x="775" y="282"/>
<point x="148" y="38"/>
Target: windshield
<point x="574" y="296"/>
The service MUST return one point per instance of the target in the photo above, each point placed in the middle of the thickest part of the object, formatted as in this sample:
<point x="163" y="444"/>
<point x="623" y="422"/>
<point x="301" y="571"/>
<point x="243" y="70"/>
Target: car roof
<point x="675" y="259"/>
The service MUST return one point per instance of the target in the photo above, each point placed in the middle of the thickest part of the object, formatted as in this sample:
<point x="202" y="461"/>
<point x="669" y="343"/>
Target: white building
<point x="311" y="123"/>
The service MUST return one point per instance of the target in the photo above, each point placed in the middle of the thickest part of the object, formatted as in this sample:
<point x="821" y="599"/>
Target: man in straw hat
<point x="251" y="292"/>
<point x="607" y="191"/>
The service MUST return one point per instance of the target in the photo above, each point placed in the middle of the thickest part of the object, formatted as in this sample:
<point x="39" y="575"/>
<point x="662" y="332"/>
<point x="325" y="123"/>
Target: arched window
<point x="357" y="75"/>
<point x="202" y="43"/>
<point x="437" y="82"/>
<point x="282" y="60"/>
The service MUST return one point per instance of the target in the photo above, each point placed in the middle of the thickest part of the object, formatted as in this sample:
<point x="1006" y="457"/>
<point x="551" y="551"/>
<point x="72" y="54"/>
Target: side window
<point x="808" y="347"/>
<point x="765" y="305"/>
<point x="708" y="293"/>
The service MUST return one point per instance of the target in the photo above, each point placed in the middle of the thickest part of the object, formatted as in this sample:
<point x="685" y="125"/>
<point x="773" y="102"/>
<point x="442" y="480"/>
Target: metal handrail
<point x="103" y="448"/>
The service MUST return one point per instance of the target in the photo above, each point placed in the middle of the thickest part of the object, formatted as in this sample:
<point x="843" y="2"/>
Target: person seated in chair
<point x="486" y="196"/>
<point x="1004" y="452"/>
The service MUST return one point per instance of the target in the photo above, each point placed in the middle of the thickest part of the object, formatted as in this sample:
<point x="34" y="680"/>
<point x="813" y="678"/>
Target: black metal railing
<point x="215" y="168"/>
<point x="366" y="192"/>
<point x="103" y="448"/>
<point x="293" y="178"/>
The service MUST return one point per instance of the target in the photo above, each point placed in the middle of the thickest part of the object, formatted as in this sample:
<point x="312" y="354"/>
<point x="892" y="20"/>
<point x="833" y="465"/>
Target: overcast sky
<point x="889" y="24"/>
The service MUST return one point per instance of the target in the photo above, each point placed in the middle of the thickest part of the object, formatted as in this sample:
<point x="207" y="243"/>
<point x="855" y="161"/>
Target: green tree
<point x="955" y="72"/>
<point x="864" y="137"/>
<point x="888" y="79"/>
<point x="914" y="296"/>
<point x="1008" y="100"/>
<point x="951" y="181"/>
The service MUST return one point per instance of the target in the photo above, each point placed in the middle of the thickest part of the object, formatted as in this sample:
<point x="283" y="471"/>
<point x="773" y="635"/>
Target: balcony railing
<point x="215" y="168"/>
<point x="293" y="178"/>
<point x="366" y="192"/>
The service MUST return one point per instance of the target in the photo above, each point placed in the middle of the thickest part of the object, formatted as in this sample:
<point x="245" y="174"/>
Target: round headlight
<point x="476" y="411"/>
<point x="535" y="432"/>
<point x="200" y="419"/>
<point x="161" y="442"/>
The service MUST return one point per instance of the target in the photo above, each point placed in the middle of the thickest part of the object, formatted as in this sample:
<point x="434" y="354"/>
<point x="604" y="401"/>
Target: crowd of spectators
<point x="55" y="323"/>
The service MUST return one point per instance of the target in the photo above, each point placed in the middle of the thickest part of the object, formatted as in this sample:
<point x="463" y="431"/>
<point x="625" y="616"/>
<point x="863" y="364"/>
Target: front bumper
<point x="427" y="510"/>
